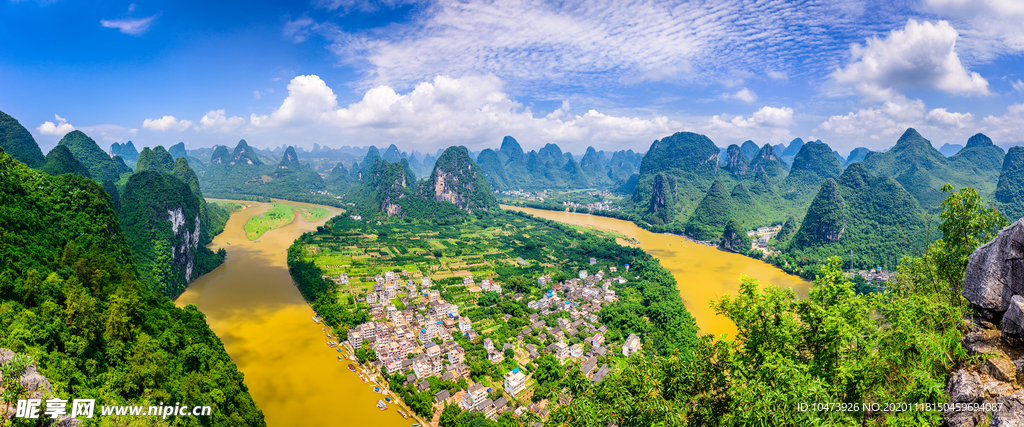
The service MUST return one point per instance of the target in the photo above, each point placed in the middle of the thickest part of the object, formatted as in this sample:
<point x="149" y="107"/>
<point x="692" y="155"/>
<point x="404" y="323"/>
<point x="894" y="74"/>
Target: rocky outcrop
<point x="735" y="163"/>
<point x="35" y="386"/>
<point x="995" y="273"/>
<point x="458" y="180"/>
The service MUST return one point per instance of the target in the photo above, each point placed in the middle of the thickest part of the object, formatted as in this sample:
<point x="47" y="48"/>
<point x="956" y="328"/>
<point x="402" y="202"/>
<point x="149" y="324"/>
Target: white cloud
<point x="769" y="124"/>
<point x="217" y="121"/>
<point x="472" y="110"/>
<point x="919" y="55"/>
<point x="1008" y="127"/>
<point x="891" y="119"/>
<point x="1018" y="86"/>
<point x="942" y="118"/>
<point x="256" y="94"/>
<point x="298" y="30"/>
<point x="166" y="123"/>
<point x="60" y="128"/>
<point x="745" y="95"/>
<point x="534" y="45"/>
<point x="992" y="26"/>
<point x="777" y="75"/>
<point x="131" y="26"/>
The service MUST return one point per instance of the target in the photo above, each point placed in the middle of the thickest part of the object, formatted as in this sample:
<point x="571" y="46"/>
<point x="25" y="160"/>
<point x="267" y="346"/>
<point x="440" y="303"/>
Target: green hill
<point x="922" y="170"/>
<point x="768" y="161"/>
<point x="735" y="162"/>
<point x="883" y="221"/>
<point x="691" y="160"/>
<point x="158" y="159"/>
<point x="856" y="155"/>
<point x="127" y="151"/>
<point x="749" y="149"/>
<point x="101" y="167"/>
<point x="73" y="301"/>
<point x="1009" y="192"/>
<point x="812" y="165"/>
<point x="18" y="142"/>
<point x="244" y="173"/>
<point x="710" y="216"/>
<point x="163" y="221"/>
<point x="980" y="158"/>
<point x="60" y="161"/>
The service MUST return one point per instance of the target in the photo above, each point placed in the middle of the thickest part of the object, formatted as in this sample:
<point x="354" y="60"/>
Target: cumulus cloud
<point x="992" y="26"/>
<point x="919" y="55"/>
<point x="472" y="110"/>
<point x="132" y="26"/>
<point x="166" y="123"/>
<point x="745" y="95"/>
<point x="766" y="116"/>
<point x="769" y="124"/>
<point x="879" y="126"/>
<point x="1008" y="127"/>
<point x="60" y="128"/>
<point x="891" y="119"/>
<point x="217" y="121"/>
<point x="945" y="119"/>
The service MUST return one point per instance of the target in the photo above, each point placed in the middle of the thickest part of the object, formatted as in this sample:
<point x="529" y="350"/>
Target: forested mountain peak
<point x="101" y="166"/>
<point x="178" y="150"/>
<point x="711" y="214"/>
<point x="816" y="159"/>
<point x="511" y="149"/>
<point x="244" y="154"/>
<point x="60" y="161"/>
<point x="826" y="218"/>
<point x="18" y="142"/>
<point x="769" y="162"/>
<point x="856" y="155"/>
<point x="457" y="179"/>
<point x="1009" y="192"/>
<point x="978" y="140"/>
<point x="290" y="160"/>
<point x="682" y="150"/>
<point x="750" y="150"/>
<point x="126" y="150"/>
<point x="156" y="159"/>
<point x="392" y="154"/>
<point x="735" y="162"/>
<point x="220" y="155"/>
<point x="793" y="148"/>
<point x="551" y="151"/>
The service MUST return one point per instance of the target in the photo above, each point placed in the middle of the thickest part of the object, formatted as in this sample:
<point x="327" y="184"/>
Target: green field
<point x="229" y="206"/>
<point x="278" y="216"/>
<point x="313" y="213"/>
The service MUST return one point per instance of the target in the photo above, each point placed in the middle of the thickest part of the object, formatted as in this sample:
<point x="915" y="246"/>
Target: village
<point x="422" y="340"/>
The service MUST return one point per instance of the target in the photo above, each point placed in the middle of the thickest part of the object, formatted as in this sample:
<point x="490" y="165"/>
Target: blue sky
<point x="426" y="74"/>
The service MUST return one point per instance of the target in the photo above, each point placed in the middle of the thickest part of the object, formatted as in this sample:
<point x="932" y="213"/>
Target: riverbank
<point x="703" y="272"/>
<point x="265" y="325"/>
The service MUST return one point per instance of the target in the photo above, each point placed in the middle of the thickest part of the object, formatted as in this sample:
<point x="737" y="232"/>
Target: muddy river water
<point x="296" y="379"/>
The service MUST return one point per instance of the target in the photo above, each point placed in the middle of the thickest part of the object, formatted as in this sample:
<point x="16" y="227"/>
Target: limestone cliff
<point x="458" y="180"/>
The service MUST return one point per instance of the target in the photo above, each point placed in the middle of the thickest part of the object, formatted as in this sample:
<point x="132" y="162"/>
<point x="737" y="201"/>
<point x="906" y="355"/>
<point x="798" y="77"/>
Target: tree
<point x="450" y="416"/>
<point x="966" y="224"/>
<point x="548" y="370"/>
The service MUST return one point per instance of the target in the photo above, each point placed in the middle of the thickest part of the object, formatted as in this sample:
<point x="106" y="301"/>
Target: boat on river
<point x="382" y="405"/>
<point x="350" y="367"/>
<point x="316" y="320"/>
<point x="402" y="413"/>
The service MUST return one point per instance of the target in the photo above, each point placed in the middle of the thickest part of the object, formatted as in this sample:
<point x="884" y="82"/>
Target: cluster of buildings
<point x="759" y="238"/>
<point x="420" y="337"/>
<point x="527" y="195"/>
<point x="604" y="205"/>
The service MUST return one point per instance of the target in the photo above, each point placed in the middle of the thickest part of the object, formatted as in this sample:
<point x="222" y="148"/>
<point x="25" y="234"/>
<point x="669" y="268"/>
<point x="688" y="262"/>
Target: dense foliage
<point x="71" y="298"/>
<point x="510" y="168"/>
<point x="100" y="165"/>
<point x="18" y="142"/>
<point x="60" y="161"/>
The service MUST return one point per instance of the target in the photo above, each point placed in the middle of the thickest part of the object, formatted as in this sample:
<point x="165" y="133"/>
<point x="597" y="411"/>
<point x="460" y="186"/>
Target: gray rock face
<point x="965" y="387"/>
<point x="995" y="272"/>
<point x="1013" y="321"/>
<point x="37" y="387"/>
<point x="1011" y="414"/>
<point x="1001" y="369"/>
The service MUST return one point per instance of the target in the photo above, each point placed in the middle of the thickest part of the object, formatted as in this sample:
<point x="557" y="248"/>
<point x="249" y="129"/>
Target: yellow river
<point x="702" y="273"/>
<point x="296" y="379"/>
<point x="267" y="328"/>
